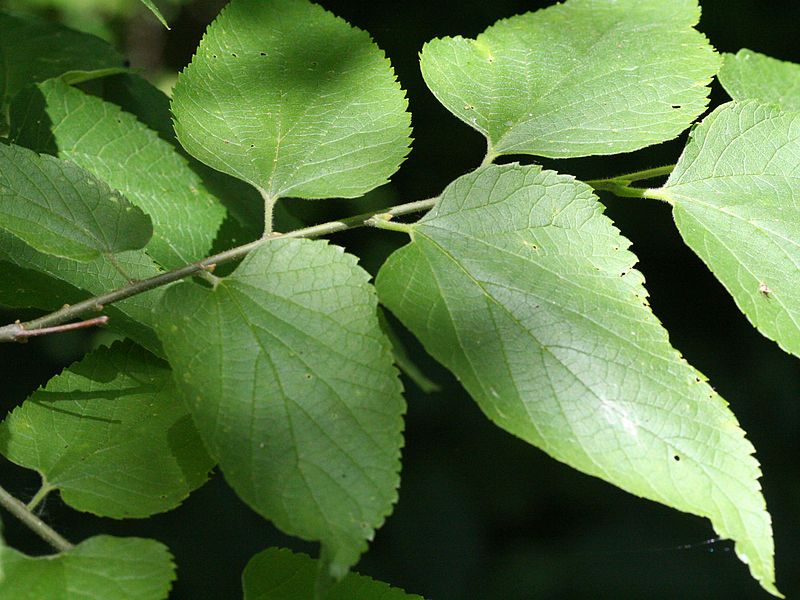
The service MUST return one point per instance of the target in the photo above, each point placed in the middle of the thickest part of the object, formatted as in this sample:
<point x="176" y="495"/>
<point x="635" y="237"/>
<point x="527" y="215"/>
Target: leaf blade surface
<point x="736" y="201"/>
<point x="291" y="384"/>
<point x="581" y="78"/>
<point x="60" y="209"/>
<point x="111" y="434"/>
<point x="518" y="284"/>
<point x="297" y="102"/>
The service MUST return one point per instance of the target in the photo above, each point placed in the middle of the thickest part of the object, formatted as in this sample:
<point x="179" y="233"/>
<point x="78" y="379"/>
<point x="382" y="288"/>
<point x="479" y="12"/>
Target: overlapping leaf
<point x="293" y="100"/>
<point x="60" y="209"/>
<point x="291" y="384"/>
<point x="278" y="574"/>
<point x="580" y="78"/>
<point x="111" y="434"/>
<point x="736" y="201"/>
<point x="104" y="567"/>
<point x="518" y="284"/>
<point x="33" y="50"/>
<point x="132" y="317"/>
<point x="118" y="149"/>
<point x="748" y="75"/>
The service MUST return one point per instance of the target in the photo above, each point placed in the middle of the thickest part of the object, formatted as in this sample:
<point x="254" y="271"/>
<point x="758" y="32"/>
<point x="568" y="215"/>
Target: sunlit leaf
<point x="278" y="574"/>
<point x="115" y="147"/>
<point x="291" y="384"/>
<point x="293" y="100"/>
<point x="111" y="434"/>
<point x="104" y="567"/>
<point x="748" y="75"/>
<point x="580" y="78"/>
<point x="736" y="200"/>
<point x="519" y="285"/>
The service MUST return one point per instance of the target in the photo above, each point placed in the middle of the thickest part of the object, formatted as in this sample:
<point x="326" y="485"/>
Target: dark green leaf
<point x="118" y="149"/>
<point x="111" y="434"/>
<point x="278" y="574"/>
<point x="102" y="567"/>
<point x="60" y="209"/>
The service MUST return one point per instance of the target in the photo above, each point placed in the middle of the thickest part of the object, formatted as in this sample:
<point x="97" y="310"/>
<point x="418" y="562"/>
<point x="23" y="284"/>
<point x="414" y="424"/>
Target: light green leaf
<point x="60" y="209"/>
<point x="111" y="434"/>
<point x="293" y="100"/>
<point x="736" y="200"/>
<point x="279" y="574"/>
<point x="104" y="567"/>
<point x="132" y="317"/>
<point x="748" y="75"/>
<point x="518" y="284"/>
<point x="580" y="78"/>
<point x="33" y="50"/>
<point x="118" y="149"/>
<point x="154" y="9"/>
<point x="291" y="384"/>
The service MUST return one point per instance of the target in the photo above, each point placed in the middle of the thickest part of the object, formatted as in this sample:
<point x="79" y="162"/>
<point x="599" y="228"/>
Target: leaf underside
<point x="581" y="78"/>
<point x="748" y="75"/>
<point x="518" y="284"/>
<point x="117" y="406"/>
<point x="291" y="384"/>
<point x="297" y="102"/>
<point x="736" y="201"/>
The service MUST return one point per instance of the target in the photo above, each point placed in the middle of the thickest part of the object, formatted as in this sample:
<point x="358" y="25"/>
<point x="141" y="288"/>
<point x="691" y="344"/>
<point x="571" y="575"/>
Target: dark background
<point x="481" y="514"/>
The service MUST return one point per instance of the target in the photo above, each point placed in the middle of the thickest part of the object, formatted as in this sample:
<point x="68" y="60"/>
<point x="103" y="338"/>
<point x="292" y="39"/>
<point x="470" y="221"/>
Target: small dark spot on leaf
<point x="252" y="145"/>
<point x="234" y="55"/>
<point x="126" y="63"/>
<point x="263" y="53"/>
<point x="308" y="375"/>
<point x="677" y="458"/>
<point x="676" y="106"/>
<point x="213" y="56"/>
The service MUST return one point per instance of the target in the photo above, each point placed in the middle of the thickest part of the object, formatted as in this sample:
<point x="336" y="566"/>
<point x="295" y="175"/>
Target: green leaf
<point x="24" y="288"/>
<point x="118" y="149"/>
<point x="580" y="78"/>
<point x="111" y="434"/>
<point x="104" y="567"/>
<point x="60" y="209"/>
<point x="293" y="100"/>
<point x="748" y="75"/>
<point x="154" y="9"/>
<point x="291" y="384"/>
<point x="132" y="317"/>
<point x="519" y="285"/>
<point x="736" y="201"/>
<point x="279" y="574"/>
<point x="33" y="50"/>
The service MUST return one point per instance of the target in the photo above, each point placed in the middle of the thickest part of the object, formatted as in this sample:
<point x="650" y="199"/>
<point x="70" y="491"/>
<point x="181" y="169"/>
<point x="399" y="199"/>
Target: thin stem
<point x="619" y="189"/>
<point x="11" y="332"/>
<point x="384" y="221"/>
<point x="269" y="208"/>
<point x="25" y="333"/>
<point x="490" y="155"/>
<point x="40" y="495"/>
<point x="635" y="176"/>
<point x="42" y="529"/>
